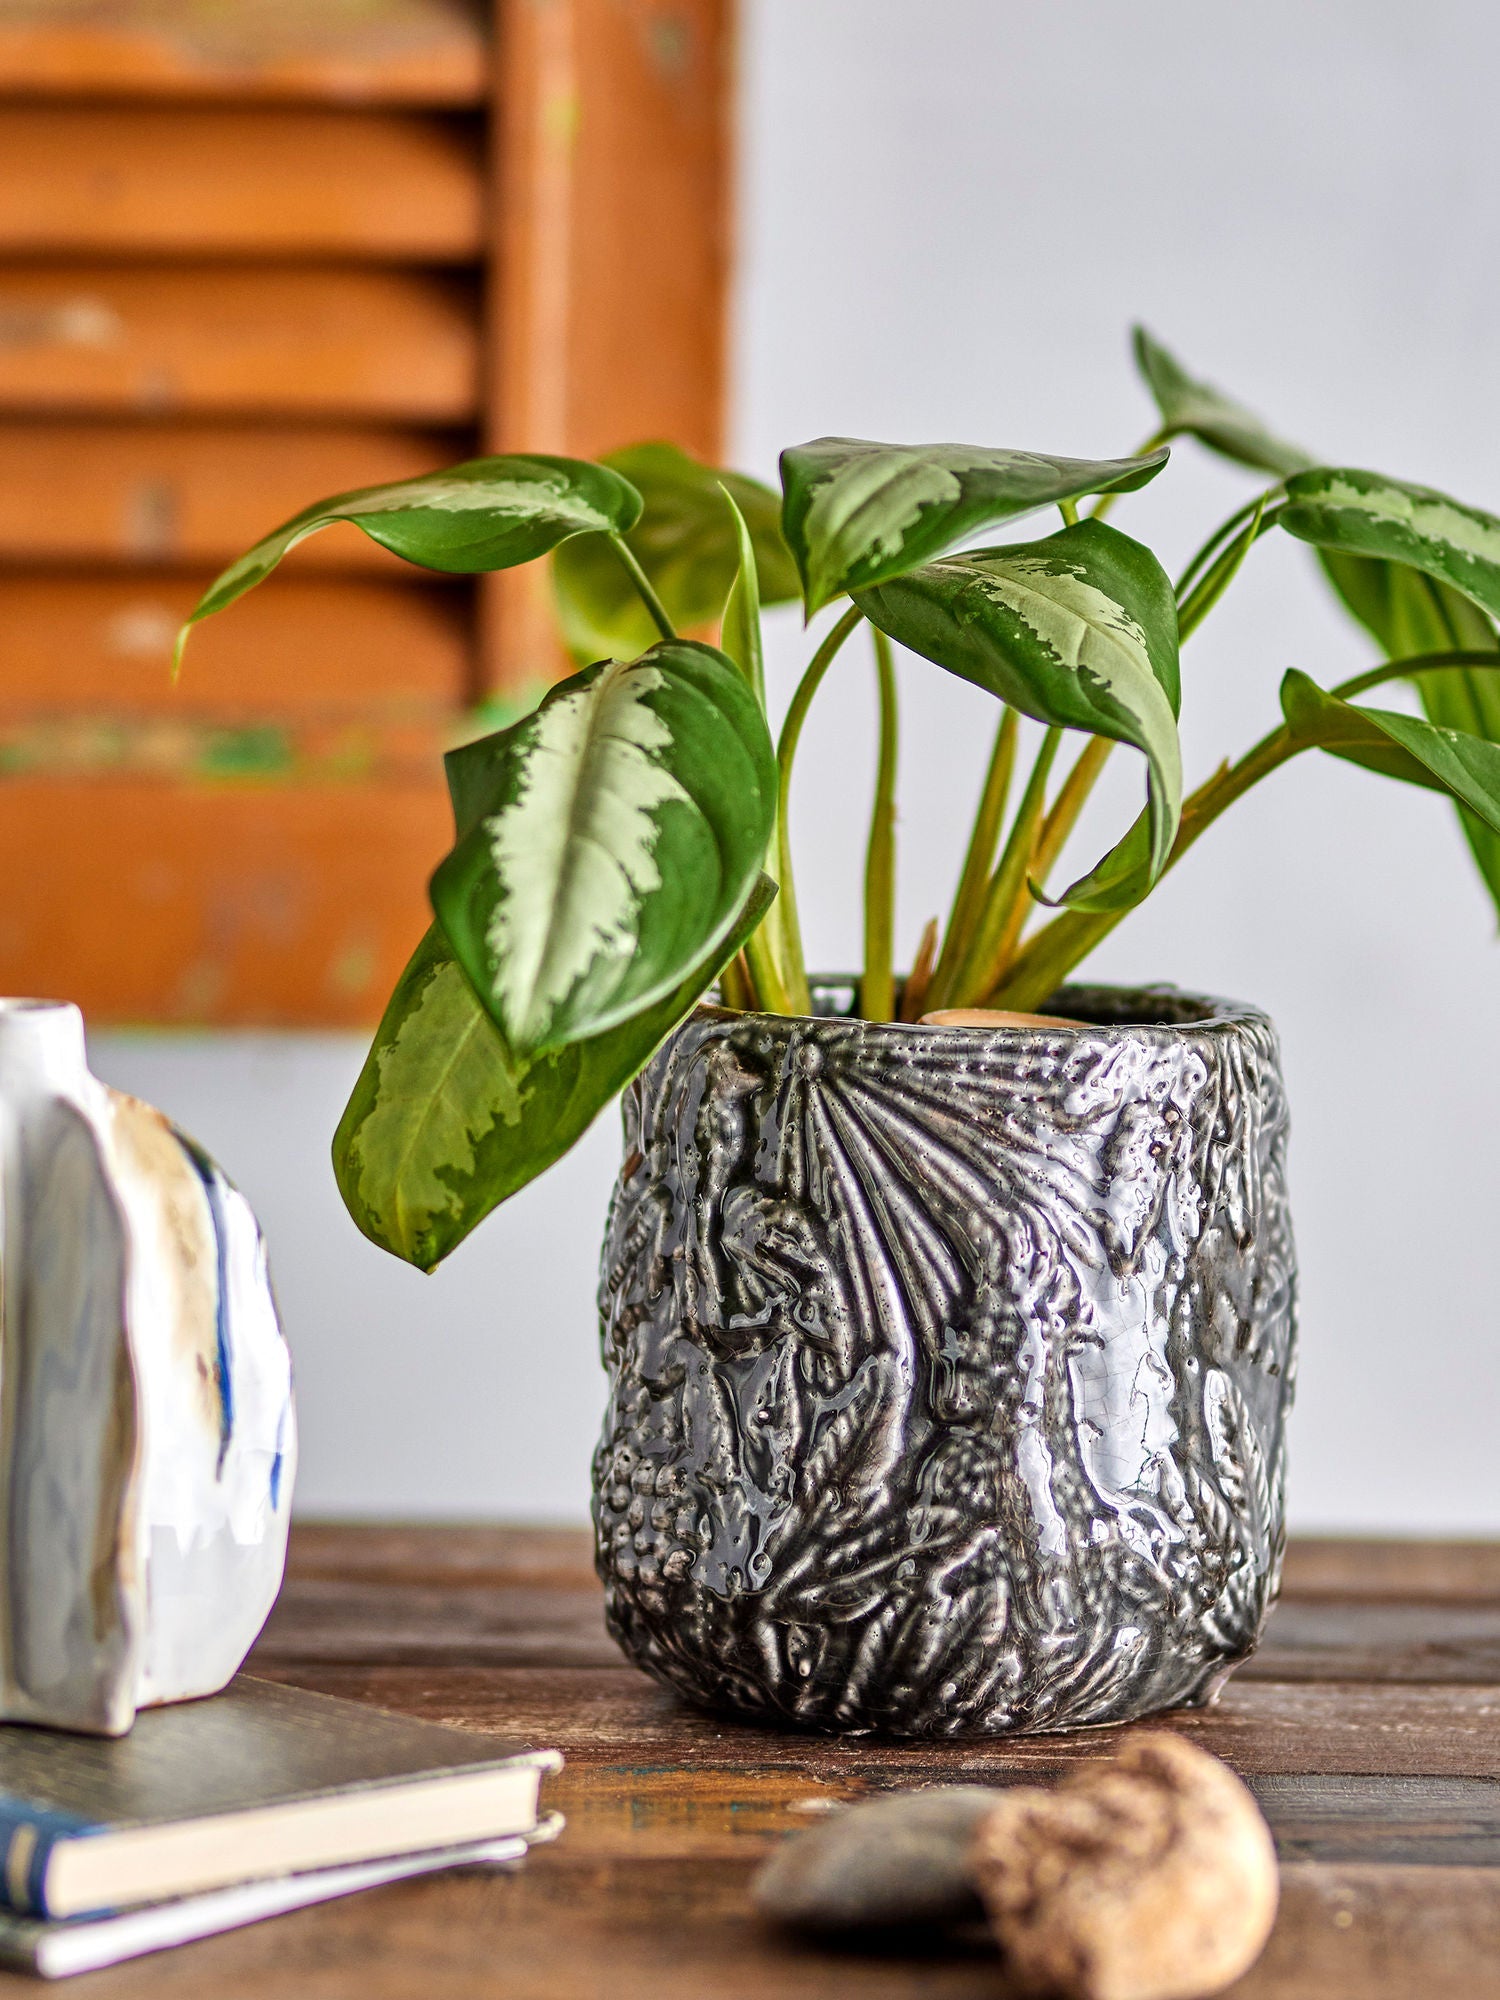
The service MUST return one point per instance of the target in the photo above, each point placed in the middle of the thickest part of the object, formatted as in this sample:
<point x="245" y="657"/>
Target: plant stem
<point x="968" y="900"/>
<point x="1220" y="573"/>
<point x="1005" y="902"/>
<point x="642" y="583"/>
<point x="877" y="992"/>
<point x="1415" y="663"/>
<point x="1062" y="816"/>
<point x="1059" y="946"/>
<point x="1220" y="535"/>
<point x="919" y="981"/>
<point x="1069" y="511"/>
<point x="735" y="985"/>
<point x="793" y="964"/>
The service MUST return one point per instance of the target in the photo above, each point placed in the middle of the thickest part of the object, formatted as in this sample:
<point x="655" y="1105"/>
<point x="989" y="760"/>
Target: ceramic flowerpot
<point x="147" y="1439"/>
<point x="949" y="1365"/>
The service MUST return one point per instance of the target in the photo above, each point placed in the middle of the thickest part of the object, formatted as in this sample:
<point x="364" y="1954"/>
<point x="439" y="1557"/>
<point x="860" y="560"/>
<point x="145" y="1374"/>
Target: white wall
<point x="950" y="214"/>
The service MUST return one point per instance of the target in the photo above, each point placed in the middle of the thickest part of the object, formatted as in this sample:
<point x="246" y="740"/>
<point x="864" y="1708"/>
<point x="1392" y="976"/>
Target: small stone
<point x="883" y="1863"/>
<point x="1150" y="1877"/>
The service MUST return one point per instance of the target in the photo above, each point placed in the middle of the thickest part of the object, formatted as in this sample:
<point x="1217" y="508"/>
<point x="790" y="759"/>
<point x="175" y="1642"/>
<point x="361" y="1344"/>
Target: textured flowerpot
<point x="949" y="1366"/>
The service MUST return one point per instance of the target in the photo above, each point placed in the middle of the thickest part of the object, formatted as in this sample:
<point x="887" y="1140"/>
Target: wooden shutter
<point x="251" y="252"/>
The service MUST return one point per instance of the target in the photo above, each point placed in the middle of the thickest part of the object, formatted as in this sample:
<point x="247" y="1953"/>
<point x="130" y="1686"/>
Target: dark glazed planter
<point x="949" y="1366"/>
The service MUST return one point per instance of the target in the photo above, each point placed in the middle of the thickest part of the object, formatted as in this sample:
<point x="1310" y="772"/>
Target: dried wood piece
<point x="1151" y="1877"/>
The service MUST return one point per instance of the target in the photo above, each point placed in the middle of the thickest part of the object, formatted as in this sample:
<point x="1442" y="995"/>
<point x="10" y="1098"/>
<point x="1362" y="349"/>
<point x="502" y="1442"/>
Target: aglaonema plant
<point x="626" y="845"/>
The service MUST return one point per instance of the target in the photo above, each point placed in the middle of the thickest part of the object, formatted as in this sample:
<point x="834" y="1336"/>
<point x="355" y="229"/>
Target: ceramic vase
<point x="147" y="1436"/>
<point x="949" y="1365"/>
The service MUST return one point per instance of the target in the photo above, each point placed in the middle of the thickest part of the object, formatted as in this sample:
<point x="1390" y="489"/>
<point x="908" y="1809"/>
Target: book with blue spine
<point x="260" y="1781"/>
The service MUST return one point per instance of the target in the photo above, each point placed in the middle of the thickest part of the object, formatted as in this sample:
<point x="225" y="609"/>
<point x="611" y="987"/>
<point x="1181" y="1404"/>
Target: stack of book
<point x="216" y="1813"/>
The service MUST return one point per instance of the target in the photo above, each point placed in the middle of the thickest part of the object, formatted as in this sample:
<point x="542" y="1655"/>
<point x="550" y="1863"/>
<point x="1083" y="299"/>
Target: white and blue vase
<point x="147" y="1435"/>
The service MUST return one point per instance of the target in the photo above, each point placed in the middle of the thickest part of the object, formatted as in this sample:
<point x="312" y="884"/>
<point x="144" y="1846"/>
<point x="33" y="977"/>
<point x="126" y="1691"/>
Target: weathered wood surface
<point x="1377" y="1761"/>
<point x="374" y="52"/>
<point x="236" y="896"/>
<point x="264" y="340"/>
<point x="219" y="181"/>
<point x="136" y="495"/>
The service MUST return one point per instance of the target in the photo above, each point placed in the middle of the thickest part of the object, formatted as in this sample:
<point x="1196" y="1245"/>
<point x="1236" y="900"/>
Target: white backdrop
<point x="950" y="214"/>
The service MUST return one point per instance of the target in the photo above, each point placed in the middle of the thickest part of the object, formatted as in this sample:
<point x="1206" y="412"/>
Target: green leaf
<point x="1078" y="630"/>
<point x="607" y="842"/>
<point x="1119" y="881"/>
<point x="1197" y="409"/>
<point x="686" y="543"/>
<point x="1408" y="614"/>
<point x="1398" y="746"/>
<point x="1367" y="514"/>
<point x="489" y="513"/>
<point x="856" y="514"/>
<point x="741" y="636"/>
<point x="444" y="1123"/>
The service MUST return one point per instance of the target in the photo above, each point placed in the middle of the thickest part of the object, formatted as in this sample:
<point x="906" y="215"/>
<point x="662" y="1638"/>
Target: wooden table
<point x="1369" y="1725"/>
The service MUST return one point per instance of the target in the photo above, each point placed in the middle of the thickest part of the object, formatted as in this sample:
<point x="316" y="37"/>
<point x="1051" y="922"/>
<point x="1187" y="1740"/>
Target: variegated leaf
<point x="1409" y="614"/>
<point x="445" y="1123"/>
<point x="1398" y="746"/>
<point x="1078" y="630"/>
<point x="686" y="543"/>
<point x="1367" y="514"/>
<point x="856" y="514"/>
<point x="607" y="842"/>
<point x="489" y="513"/>
<point x="1198" y="410"/>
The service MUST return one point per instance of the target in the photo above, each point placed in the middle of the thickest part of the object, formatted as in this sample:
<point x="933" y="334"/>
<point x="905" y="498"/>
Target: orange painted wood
<point x="225" y="181"/>
<point x="233" y="902"/>
<point x="611" y="248"/>
<point x="332" y="342"/>
<point x="299" y="649"/>
<point x="195" y="493"/>
<point x="377" y="52"/>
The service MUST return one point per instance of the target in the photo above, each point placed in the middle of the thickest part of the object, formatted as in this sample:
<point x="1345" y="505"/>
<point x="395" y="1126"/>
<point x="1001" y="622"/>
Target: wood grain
<point x="1385" y="1800"/>
<point x="610" y="244"/>
<point x="182" y="494"/>
<point x="381" y="52"/>
<point x="229" y="899"/>
<point x="306" y="649"/>
<point x="231" y="182"/>
<point x="1410" y="1571"/>
<point x="262" y="341"/>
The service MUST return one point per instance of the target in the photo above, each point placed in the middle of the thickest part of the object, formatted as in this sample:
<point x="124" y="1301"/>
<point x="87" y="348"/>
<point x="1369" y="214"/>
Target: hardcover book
<point x="259" y="1781"/>
<point x="56" y="1949"/>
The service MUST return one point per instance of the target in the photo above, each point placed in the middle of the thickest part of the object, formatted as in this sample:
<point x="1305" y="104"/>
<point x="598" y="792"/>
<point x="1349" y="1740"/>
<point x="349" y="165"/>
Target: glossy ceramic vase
<point x="949" y="1366"/>
<point x="147" y="1439"/>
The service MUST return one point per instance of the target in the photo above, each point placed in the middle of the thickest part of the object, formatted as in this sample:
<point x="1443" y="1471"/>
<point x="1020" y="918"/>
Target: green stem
<point x="1223" y="533"/>
<point x="1059" y="946"/>
<point x="794" y="966"/>
<point x="1006" y="901"/>
<point x="1062" y="816"/>
<point x="642" y="583"/>
<point x="968" y="900"/>
<point x="1415" y="663"/>
<point x="1045" y="962"/>
<point x="877" y="992"/>
<point x="735" y="985"/>
<point x="771" y="992"/>
<point x="1069" y="511"/>
<point x="1221" y="572"/>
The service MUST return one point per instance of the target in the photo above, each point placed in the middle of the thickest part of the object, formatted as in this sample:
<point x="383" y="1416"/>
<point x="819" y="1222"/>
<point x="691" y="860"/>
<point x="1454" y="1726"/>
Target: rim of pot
<point x="1075" y="1008"/>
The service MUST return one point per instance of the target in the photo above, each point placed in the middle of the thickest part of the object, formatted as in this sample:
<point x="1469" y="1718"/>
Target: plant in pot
<point x="950" y="1342"/>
